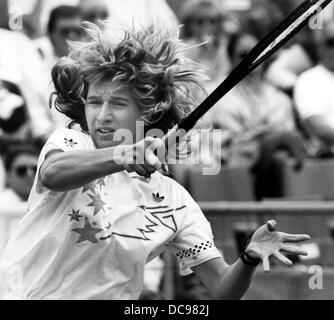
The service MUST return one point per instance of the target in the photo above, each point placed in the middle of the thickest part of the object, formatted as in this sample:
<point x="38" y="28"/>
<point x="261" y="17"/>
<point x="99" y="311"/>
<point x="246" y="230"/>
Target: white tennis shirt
<point x="93" y="242"/>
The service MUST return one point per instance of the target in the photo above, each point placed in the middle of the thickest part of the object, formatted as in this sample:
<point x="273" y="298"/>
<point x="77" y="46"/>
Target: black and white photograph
<point x="166" y="153"/>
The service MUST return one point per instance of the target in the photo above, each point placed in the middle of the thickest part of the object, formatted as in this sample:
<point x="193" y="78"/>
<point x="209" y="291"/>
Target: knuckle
<point x="159" y="142"/>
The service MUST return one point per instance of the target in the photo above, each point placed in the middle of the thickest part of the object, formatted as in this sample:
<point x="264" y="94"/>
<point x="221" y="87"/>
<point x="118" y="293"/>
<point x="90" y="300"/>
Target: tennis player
<point x="97" y="214"/>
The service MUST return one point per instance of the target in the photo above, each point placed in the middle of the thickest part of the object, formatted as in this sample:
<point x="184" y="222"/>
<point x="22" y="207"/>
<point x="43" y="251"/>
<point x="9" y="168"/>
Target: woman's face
<point x="110" y="106"/>
<point x="21" y="175"/>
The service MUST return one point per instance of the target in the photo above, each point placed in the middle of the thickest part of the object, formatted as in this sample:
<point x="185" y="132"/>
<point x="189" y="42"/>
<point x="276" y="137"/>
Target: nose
<point x="105" y="114"/>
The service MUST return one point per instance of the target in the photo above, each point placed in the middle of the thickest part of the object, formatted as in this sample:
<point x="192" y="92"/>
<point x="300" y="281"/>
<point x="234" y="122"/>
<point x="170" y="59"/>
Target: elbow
<point x="50" y="178"/>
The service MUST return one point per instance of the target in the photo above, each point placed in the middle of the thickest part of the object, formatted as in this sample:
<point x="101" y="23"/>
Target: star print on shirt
<point x="87" y="233"/>
<point x="89" y="187"/>
<point x="97" y="203"/>
<point x="75" y="216"/>
<point x="70" y="143"/>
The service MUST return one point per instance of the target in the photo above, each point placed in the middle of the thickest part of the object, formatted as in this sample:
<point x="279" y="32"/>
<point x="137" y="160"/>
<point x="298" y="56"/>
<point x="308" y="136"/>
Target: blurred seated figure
<point x="292" y="61"/>
<point x="23" y="75"/>
<point x="203" y="22"/>
<point x="253" y="109"/>
<point x="20" y="162"/>
<point x="32" y="21"/>
<point x="141" y="14"/>
<point x="94" y="11"/>
<point x="64" y="24"/>
<point x="13" y="116"/>
<point x="314" y="92"/>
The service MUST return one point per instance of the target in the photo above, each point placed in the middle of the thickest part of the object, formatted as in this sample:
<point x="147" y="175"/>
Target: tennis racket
<point x="272" y="42"/>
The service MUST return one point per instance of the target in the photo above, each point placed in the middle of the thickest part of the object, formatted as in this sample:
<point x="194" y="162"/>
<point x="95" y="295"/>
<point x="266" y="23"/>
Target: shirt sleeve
<point x="66" y="140"/>
<point x="309" y="98"/>
<point x="194" y="243"/>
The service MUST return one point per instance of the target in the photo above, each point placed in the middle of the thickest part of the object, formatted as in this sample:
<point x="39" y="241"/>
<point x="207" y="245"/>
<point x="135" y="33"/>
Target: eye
<point x="119" y="103"/>
<point x="93" y="102"/>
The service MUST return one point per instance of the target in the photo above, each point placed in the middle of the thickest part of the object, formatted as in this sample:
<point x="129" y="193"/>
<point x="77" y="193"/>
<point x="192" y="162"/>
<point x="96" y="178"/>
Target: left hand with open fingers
<point x="266" y="242"/>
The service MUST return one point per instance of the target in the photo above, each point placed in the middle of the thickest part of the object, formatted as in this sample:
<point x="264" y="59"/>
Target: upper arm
<point x="210" y="274"/>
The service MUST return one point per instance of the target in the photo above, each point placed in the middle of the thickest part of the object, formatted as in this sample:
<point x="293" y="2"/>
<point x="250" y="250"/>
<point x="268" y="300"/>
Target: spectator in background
<point x="95" y="12"/>
<point x="64" y="24"/>
<point x="32" y="21"/>
<point x="314" y="92"/>
<point x="22" y="69"/>
<point x="291" y="62"/>
<point x="203" y="23"/>
<point x="20" y="163"/>
<point x="141" y="14"/>
<point x="253" y="109"/>
<point x="13" y="115"/>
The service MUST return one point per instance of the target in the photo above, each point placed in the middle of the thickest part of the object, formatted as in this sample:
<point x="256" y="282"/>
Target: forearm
<point x="70" y="170"/>
<point x="234" y="282"/>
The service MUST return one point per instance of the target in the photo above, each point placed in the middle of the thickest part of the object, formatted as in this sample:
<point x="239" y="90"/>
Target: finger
<point x="165" y="168"/>
<point x="141" y="171"/>
<point x="283" y="259"/>
<point x="271" y="225"/>
<point x="158" y="148"/>
<point x="128" y="167"/>
<point x="149" y="169"/>
<point x="294" y="237"/>
<point x="293" y="250"/>
<point x="152" y="160"/>
<point x="266" y="264"/>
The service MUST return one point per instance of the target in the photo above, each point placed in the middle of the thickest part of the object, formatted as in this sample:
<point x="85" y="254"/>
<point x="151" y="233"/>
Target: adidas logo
<point x="157" y="197"/>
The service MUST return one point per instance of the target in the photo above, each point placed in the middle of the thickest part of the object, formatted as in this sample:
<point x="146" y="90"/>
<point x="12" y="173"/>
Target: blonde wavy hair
<point x="163" y="82"/>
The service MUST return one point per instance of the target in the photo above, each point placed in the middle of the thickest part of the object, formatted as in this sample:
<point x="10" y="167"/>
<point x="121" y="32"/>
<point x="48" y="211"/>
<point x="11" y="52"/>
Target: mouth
<point x="105" y="131"/>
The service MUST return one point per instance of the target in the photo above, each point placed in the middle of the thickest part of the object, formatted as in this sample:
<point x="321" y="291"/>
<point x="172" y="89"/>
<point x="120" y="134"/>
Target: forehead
<point x="74" y="21"/>
<point x="108" y="88"/>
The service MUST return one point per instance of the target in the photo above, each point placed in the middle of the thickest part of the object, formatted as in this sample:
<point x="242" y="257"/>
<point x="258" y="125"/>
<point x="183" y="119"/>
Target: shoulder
<point x="68" y="140"/>
<point x="315" y="73"/>
<point x="69" y="133"/>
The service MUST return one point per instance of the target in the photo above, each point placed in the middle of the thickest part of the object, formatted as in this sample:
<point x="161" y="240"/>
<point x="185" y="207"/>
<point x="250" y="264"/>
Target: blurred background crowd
<point x="276" y="127"/>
